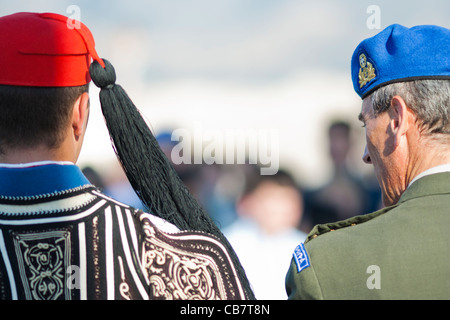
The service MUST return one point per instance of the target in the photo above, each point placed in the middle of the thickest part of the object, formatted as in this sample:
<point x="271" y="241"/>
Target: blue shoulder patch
<point x="301" y="257"/>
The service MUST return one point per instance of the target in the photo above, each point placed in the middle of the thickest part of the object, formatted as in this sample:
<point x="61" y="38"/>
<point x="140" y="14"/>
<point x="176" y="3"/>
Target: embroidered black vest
<point x="76" y="243"/>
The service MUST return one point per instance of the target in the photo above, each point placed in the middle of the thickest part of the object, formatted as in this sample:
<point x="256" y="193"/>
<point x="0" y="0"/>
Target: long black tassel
<point x="147" y="168"/>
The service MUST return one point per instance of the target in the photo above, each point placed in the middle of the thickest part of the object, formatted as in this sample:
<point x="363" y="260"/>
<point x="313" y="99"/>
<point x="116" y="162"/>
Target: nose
<point x="366" y="156"/>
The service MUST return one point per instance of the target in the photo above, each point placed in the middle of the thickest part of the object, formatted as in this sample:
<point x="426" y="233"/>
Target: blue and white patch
<point x="301" y="257"/>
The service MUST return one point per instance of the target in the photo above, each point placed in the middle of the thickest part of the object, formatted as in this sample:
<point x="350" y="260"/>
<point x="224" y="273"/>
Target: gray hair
<point x="428" y="99"/>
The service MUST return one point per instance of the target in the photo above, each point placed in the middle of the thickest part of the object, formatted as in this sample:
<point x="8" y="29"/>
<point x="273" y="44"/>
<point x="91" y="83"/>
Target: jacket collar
<point x="433" y="170"/>
<point x="432" y="184"/>
<point x="39" y="178"/>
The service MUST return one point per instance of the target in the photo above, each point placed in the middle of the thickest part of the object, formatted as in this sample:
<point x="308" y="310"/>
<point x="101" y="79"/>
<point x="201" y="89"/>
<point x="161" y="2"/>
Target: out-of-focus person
<point x="347" y="193"/>
<point x="265" y="233"/>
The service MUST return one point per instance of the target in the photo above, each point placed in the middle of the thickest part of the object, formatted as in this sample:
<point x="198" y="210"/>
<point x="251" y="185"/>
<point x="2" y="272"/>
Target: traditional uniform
<point x="401" y="251"/>
<point x="60" y="237"/>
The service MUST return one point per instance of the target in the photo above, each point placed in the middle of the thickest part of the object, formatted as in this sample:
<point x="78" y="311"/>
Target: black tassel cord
<point x="150" y="173"/>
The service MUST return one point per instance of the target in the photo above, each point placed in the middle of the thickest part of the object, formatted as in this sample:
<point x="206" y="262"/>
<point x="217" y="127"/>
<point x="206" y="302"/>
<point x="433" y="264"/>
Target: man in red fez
<point x="60" y="237"/>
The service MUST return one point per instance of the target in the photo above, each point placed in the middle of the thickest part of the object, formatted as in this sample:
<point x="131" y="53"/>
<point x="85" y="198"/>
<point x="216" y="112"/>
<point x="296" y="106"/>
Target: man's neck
<point x="36" y="154"/>
<point x="427" y="159"/>
<point x="438" y="169"/>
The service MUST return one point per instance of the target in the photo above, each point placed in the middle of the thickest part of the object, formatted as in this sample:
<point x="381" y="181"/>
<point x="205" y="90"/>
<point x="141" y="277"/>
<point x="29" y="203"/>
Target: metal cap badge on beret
<point x="400" y="54"/>
<point x="40" y="50"/>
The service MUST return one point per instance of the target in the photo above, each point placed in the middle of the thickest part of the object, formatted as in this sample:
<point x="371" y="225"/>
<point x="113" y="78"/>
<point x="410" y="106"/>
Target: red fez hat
<point x="43" y="50"/>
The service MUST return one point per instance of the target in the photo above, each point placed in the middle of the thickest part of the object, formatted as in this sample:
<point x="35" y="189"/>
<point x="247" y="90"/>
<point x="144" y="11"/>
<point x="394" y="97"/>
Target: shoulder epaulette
<point x="320" y="229"/>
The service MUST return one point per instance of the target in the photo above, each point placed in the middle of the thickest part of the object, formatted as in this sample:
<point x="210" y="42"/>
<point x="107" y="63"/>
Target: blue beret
<point x="400" y="54"/>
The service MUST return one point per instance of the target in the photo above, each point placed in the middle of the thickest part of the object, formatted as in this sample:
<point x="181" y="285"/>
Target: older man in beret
<point x="401" y="251"/>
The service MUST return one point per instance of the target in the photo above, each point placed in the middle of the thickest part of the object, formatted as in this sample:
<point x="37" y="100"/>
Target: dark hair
<point x="282" y="178"/>
<point x="31" y="116"/>
<point x="339" y="124"/>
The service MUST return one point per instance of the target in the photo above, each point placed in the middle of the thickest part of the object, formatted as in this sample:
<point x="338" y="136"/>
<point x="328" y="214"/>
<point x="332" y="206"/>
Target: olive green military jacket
<point x="399" y="252"/>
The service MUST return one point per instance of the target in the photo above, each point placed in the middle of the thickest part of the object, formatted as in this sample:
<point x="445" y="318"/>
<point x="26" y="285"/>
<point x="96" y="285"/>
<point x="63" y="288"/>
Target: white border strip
<point x="5" y="257"/>
<point x="33" y="164"/>
<point x="126" y="249"/>
<point x="71" y="203"/>
<point x="83" y="266"/>
<point x="110" y="289"/>
<point x="55" y="219"/>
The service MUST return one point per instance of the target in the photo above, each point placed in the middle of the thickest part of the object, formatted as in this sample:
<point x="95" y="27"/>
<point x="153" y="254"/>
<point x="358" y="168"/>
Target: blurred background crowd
<point x="265" y="216"/>
<point x="239" y="64"/>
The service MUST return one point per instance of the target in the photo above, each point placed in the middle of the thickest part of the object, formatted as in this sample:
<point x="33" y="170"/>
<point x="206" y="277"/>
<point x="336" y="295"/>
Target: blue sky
<point x="246" y="40"/>
<point x="282" y="64"/>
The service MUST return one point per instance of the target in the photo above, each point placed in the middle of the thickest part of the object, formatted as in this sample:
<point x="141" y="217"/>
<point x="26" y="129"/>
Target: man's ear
<point x="80" y="115"/>
<point x="400" y="119"/>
